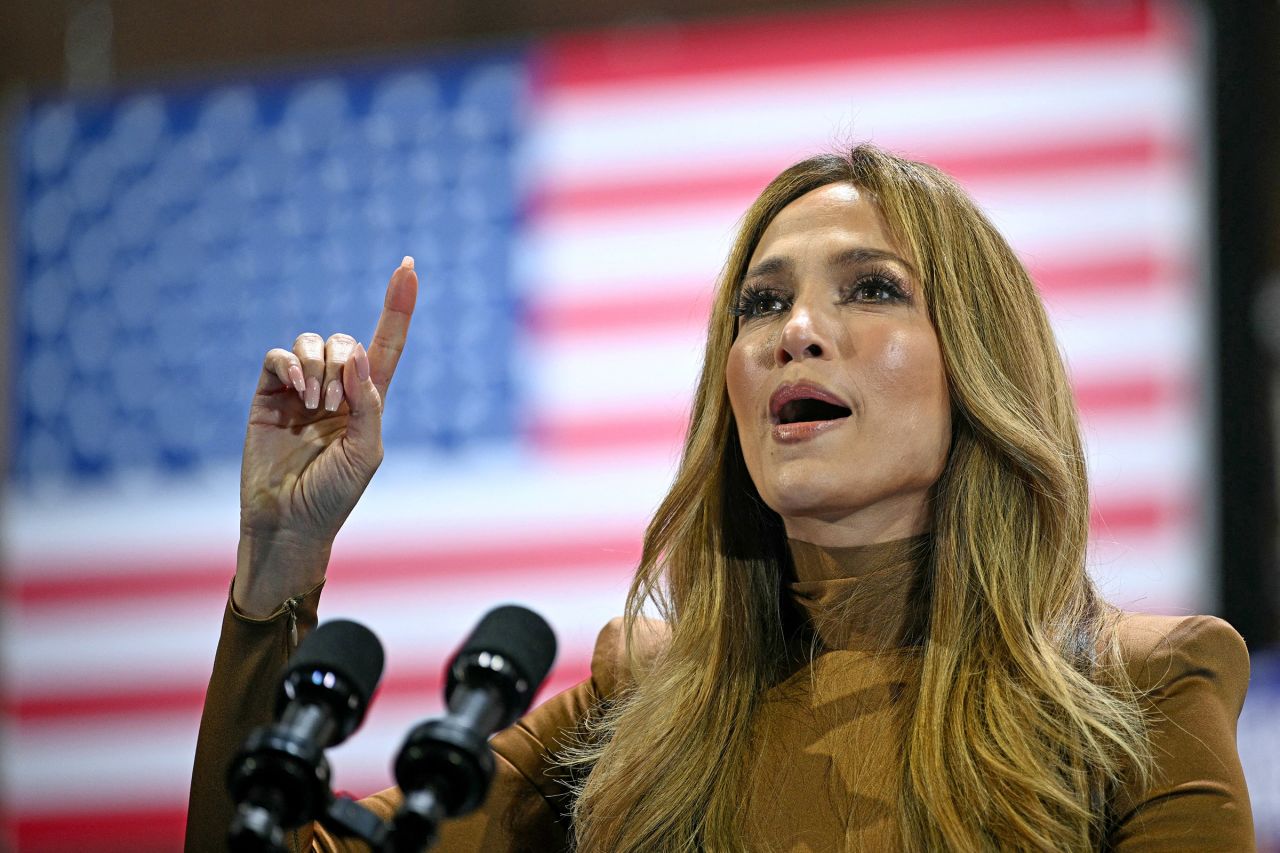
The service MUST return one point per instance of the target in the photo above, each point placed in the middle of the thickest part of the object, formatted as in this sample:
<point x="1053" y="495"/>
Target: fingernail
<point x="362" y="361"/>
<point x="295" y="376"/>
<point x="407" y="263"/>
<point x="332" y="395"/>
<point x="313" y="393"/>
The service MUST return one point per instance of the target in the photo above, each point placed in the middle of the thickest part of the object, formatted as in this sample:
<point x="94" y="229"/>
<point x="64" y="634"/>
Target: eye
<point x="759" y="302"/>
<point x="876" y="289"/>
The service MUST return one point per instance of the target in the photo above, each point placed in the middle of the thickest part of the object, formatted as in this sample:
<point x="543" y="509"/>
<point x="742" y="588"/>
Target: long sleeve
<point x="523" y="810"/>
<point x="241" y="696"/>
<point x="1194" y="672"/>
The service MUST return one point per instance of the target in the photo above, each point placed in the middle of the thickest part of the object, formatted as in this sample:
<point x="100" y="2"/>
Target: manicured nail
<point x="407" y="263"/>
<point x="313" y="393"/>
<point x="295" y="376"/>
<point x="332" y="395"/>
<point x="362" y="361"/>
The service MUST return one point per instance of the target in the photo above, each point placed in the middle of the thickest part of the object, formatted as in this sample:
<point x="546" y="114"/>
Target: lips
<point x="805" y="402"/>
<point x="802" y="410"/>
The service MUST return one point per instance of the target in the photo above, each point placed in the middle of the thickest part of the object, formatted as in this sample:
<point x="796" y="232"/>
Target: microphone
<point x="280" y="778"/>
<point x="445" y="765"/>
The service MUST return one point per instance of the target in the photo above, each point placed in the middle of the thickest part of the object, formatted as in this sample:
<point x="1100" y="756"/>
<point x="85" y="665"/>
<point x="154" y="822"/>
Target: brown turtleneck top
<point x="828" y="737"/>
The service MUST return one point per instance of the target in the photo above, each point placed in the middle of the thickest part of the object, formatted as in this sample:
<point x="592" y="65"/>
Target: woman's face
<point x="835" y="376"/>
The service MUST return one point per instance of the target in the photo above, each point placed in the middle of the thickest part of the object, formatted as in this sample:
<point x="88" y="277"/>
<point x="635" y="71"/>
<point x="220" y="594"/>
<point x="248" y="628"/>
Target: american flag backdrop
<point x="569" y="203"/>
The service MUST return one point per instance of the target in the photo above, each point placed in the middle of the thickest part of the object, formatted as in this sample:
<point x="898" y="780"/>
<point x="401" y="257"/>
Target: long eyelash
<point x="885" y="278"/>
<point x="749" y="298"/>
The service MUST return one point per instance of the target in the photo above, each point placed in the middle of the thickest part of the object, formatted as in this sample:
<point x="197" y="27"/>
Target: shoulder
<point x="618" y="657"/>
<point x="1162" y="652"/>
<point x="1191" y="674"/>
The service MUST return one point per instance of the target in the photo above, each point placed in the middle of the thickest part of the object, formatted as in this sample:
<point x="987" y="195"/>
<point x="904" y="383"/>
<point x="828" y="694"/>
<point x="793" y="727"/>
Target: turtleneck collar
<point x="861" y="597"/>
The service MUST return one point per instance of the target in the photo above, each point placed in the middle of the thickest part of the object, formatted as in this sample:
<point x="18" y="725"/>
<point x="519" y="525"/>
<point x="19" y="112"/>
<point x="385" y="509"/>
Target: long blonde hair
<point x="1023" y="722"/>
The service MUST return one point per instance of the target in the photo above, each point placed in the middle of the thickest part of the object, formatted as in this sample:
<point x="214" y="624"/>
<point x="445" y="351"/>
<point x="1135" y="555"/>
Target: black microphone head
<point x="346" y="650"/>
<point x="520" y="635"/>
<point x="521" y="638"/>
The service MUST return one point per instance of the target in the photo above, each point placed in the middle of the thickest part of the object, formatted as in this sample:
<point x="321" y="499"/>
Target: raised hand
<point x="313" y="443"/>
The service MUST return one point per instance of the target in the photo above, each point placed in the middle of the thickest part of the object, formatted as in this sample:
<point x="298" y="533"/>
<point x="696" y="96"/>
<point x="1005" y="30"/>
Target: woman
<point x="878" y="630"/>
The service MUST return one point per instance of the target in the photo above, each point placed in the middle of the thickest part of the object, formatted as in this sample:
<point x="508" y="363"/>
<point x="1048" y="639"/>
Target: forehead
<point x="830" y="217"/>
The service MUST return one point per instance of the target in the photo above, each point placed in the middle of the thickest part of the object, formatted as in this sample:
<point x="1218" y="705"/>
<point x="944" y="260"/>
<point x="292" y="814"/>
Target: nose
<point x="803" y="336"/>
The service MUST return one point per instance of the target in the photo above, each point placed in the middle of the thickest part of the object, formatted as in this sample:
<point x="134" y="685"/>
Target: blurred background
<point x="186" y="185"/>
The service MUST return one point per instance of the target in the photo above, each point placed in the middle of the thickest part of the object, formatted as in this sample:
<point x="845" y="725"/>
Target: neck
<point x="863" y="597"/>
<point x="889" y="520"/>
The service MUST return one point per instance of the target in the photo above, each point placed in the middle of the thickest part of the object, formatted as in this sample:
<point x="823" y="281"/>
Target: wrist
<point x="273" y="568"/>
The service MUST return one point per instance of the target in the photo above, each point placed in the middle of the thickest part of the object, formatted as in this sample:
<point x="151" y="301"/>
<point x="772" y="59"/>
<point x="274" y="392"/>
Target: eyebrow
<point x="847" y="258"/>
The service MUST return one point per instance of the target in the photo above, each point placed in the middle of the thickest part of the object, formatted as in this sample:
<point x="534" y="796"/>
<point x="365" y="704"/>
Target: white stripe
<point x="65" y="762"/>
<point x="83" y="648"/>
<point x="415" y="501"/>
<point x="627" y="131"/>
<point x="1103" y="213"/>
<point x="145" y="762"/>
<point x="1136" y="333"/>
<point x="585" y="377"/>
<point x="1162" y="572"/>
<point x="1159" y="452"/>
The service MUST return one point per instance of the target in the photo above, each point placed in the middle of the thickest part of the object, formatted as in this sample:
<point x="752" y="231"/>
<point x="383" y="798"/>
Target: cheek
<point x="909" y="370"/>
<point x="903" y="355"/>
<point x="739" y="379"/>
<point x="909" y="363"/>
<point x="742" y="382"/>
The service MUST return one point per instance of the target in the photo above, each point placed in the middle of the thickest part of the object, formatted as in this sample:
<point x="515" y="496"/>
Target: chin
<point x="817" y="493"/>
<point x="797" y="494"/>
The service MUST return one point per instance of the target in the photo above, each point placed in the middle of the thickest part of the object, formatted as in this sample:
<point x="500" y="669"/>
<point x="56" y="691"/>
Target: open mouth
<point x="808" y="409"/>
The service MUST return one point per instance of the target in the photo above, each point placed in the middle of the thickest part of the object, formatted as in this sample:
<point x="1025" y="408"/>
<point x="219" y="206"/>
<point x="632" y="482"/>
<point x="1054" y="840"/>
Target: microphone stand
<point x="346" y="818"/>
<point x="254" y="829"/>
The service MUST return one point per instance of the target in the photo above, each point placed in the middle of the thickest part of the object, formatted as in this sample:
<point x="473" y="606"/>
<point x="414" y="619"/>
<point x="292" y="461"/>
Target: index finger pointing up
<point x="393" y="326"/>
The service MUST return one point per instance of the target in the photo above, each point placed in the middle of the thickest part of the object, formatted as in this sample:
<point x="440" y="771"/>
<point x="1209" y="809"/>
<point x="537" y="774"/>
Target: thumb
<point x="364" y="424"/>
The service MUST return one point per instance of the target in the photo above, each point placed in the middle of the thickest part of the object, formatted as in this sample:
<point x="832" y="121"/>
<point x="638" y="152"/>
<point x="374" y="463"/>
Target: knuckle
<point x="341" y="338"/>
<point x="388" y="343"/>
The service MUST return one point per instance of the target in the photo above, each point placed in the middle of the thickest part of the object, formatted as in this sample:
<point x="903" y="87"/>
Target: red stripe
<point x="791" y="41"/>
<point x="1139" y="518"/>
<point x="734" y="190"/>
<point x="685" y="307"/>
<point x="163" y="829"/>
<point x="146" y="579"/>
<point x="994" y="163"/>
<point x="1125" y="394"/>
<point x="648" y="430"/>
<point x="151" y="577"/>
<point x="631" y="431"/>
<point x="1086" y="276"/>
<point x="122" y="831"/>
<point x="170" y="700"/>
<point x="737" y="189"/>
<point x="401" y="682"/>
<point x="680" y="308"/>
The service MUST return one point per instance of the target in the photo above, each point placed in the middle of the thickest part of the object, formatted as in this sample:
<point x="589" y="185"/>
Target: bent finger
<point x="393" y="325"/>
<point x="309" y="348"/>
<point x="336" y="352"/>
<point x="281" y="369"/>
